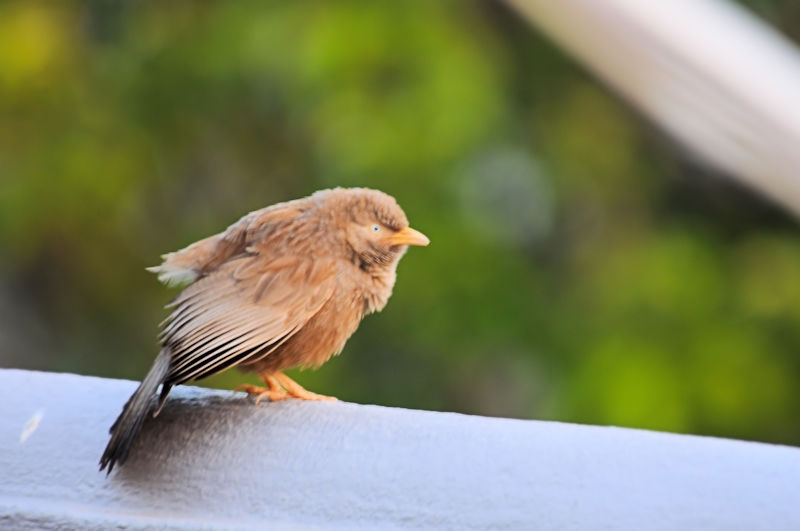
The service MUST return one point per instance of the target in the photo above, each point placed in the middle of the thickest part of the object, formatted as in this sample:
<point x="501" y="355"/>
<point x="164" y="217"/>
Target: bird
<point x="285" y="286"/>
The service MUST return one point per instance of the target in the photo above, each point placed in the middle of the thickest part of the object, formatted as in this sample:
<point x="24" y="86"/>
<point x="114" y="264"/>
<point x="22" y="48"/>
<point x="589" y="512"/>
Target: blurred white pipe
<point x="712" y="75"/>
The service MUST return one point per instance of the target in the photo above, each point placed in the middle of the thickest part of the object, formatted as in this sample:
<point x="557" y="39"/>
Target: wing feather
<point x="244" y="310"/>
<point x="198" y="259"/>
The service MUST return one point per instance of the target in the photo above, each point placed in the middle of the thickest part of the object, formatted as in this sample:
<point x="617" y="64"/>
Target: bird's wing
<point x="204" y="256"/>
<point x="243" y="311"/>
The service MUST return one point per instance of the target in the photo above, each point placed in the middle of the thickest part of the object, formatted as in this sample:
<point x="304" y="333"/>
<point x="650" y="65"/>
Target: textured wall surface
<point x="213" y="460"/>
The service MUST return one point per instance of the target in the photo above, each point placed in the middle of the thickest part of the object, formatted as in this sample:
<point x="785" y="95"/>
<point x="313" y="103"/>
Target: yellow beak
<point x="408" y="236"/>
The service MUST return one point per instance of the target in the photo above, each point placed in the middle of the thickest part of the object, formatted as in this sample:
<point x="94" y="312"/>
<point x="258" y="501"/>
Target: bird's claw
<point x="308" y="395"/>
<point x="298" y="391"/>
<point x="260" y="393"/>
<point x="275" y="391"/>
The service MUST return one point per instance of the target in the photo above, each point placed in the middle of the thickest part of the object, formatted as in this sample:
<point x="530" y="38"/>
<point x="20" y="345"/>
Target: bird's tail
<point x="129" y="422"/>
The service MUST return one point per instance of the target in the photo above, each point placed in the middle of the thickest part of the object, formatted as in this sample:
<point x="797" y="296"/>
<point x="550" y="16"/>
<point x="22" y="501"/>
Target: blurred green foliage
<point x="582" y="269"/>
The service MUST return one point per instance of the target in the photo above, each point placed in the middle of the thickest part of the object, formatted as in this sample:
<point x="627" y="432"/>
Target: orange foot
<point x="280" y="387"/>
<point x="298" y="391"/>
<point x="274" y="392"/>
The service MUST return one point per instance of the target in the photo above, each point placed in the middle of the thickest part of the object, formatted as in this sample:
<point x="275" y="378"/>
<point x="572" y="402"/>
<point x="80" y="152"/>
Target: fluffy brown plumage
<point x="284" y="286"/>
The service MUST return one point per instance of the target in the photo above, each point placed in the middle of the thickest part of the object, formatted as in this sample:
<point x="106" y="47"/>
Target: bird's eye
<point x="375" y="228"/>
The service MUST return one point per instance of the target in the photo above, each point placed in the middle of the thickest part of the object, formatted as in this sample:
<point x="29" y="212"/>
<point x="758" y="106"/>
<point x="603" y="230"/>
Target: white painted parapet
<point x="213" y="460"/>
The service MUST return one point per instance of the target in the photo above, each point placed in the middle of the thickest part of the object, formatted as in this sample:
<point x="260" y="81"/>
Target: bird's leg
<point x="280" y="387"/>
<point x="298" y="391"/>
<point x="273" y="391"/>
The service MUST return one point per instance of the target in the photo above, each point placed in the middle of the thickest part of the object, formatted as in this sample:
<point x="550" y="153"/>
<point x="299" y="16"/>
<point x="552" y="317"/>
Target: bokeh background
<point x="582" y="269"/>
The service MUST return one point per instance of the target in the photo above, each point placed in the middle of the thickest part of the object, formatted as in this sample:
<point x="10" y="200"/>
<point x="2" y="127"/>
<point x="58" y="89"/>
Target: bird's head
<point x="377" y="231"/>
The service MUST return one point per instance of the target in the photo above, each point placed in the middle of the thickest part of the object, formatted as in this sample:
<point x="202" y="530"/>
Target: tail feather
<point x="129" y="422"/>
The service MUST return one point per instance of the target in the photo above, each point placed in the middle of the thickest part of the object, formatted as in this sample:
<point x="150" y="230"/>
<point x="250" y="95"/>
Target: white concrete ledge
<point x="212" y="460"/>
